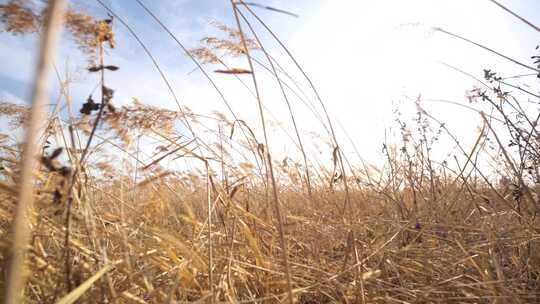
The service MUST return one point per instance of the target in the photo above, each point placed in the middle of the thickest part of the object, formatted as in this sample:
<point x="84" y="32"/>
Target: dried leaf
<point x="112" y="67"/>
<point x="234" y="71"/>
<point x="55" y="153"/>
<point x="95" y="68"/>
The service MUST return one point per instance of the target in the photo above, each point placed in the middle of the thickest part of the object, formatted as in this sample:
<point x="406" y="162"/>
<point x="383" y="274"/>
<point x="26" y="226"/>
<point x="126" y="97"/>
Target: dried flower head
<point x="214" y="48"/>
<point x="24" y="17"/>
<point x="141" y="118"/>
<point x="205" y="55"/>
<point x="18" y="18"/>
<point x="17" y="115"/>
<point x="88" y="32"/>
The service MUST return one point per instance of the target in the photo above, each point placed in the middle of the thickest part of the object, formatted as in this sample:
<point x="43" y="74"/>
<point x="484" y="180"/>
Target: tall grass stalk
<point x="270" y="169"/>
<point x="24" y="214"/>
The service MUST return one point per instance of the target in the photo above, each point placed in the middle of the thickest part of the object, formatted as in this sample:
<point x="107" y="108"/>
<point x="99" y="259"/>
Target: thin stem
<point x="301" y="146"/>
<point x="312" y="85"/>
<point x="210" y="257"/>
<point x="270" y="171"/>
<point x="516" y="15"/>
<point x="513" y="167"/>
<point x="485" y="48"/>
<point x="199" y="66"/>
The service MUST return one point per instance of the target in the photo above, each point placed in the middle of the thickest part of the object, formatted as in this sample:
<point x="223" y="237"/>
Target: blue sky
<point x="360" y="54"/>
<point x="187" y="19"/>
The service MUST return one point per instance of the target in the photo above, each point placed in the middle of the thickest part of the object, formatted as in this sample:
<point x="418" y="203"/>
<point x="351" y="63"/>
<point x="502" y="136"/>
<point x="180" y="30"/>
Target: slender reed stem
<point x="270" y="170"/>
<point x="516" y="15"/>
<point x="297" y="132"/>
<point x="323" y="106"/>
<point x="485" y="48"/>
<point x="210" y="257"/>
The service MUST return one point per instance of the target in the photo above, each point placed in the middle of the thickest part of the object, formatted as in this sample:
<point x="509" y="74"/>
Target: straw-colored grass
<point x="112" y="222"/>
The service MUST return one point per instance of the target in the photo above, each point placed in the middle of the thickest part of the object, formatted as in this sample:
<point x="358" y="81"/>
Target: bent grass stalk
<point x="280" y="83"/>
<point x="270" y="170"/>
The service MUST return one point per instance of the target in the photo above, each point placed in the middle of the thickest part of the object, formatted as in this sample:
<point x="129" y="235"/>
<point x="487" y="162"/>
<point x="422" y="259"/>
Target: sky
<point x="364" y="57"/>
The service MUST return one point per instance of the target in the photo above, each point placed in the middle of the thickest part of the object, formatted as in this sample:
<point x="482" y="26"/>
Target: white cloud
<point x="17" y="55"/>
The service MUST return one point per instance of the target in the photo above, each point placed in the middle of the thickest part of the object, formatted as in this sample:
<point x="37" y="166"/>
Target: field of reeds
<point x="91" y="213"/>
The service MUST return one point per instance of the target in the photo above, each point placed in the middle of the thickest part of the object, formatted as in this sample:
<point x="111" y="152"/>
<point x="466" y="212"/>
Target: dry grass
<point x="113" y="223"/>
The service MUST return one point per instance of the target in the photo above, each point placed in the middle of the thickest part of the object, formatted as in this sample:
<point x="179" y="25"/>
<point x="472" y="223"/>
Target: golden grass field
<point x="90" y="220"/>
